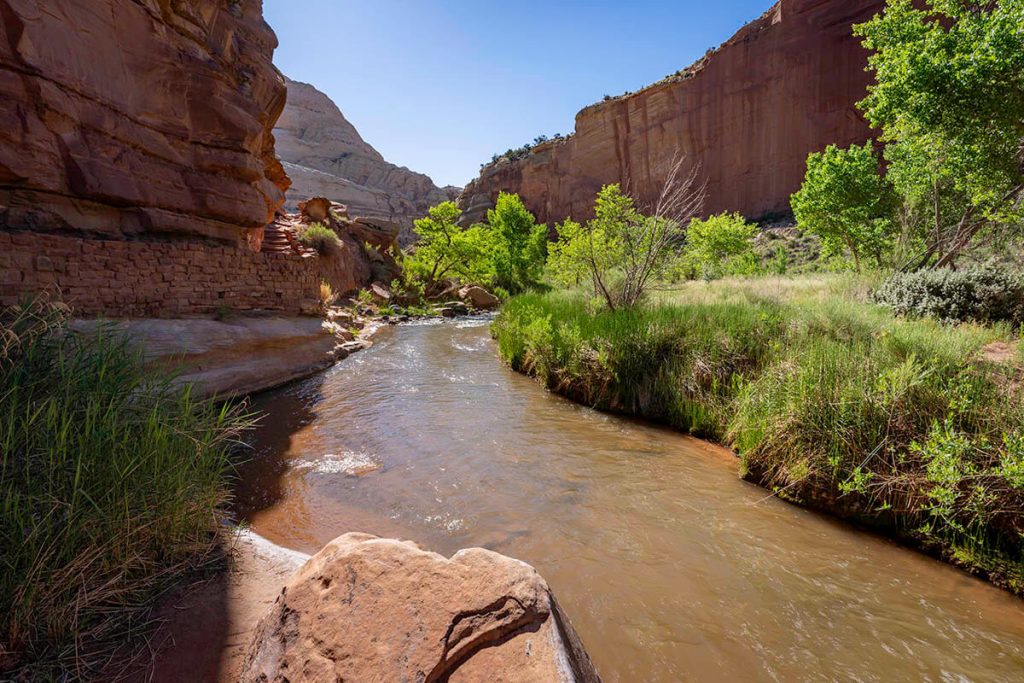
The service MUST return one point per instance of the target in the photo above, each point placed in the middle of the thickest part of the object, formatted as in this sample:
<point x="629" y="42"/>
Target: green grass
<point x="829" y="400"/>
<point x="110" y="484"/>
<point x="321" y="238"/>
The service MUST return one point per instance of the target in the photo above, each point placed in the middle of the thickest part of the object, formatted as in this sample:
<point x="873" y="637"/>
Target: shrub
<point x="720" y="245"/>
<point x="327" y="295"/>
<point x="982" y="294"/>
<point x="316" y="236"/>
<point x="623" y="251"/>
<point x="110" y="482"/>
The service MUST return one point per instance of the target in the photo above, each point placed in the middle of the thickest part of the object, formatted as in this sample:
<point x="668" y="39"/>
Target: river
<point x="670" y="566"/>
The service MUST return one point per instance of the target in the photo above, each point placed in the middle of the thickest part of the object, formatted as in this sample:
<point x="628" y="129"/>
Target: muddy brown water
<point x="670" y="566"/>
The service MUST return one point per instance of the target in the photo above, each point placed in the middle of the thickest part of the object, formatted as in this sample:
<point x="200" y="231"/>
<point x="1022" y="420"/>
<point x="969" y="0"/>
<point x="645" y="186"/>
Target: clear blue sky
<point x="441" y="85"/>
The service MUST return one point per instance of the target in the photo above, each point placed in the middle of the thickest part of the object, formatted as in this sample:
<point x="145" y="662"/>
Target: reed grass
<point x="829" y="400"/>
<point x="111" y="479"/>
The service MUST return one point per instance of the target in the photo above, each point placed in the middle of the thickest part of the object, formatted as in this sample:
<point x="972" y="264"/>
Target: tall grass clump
<point x="111" y="478"/>
<point x="320" y="238"/>
<point x="829" y="400"/>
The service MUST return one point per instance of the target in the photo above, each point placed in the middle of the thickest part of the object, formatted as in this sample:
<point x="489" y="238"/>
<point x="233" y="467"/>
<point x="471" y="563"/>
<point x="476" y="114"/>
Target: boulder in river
<point x="478" y="297"/>
<point x="372" y="609"/>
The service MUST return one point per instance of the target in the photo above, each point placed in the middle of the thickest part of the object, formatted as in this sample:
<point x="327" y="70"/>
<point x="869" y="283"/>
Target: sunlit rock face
<point x="373" y="609"/>
<point x="139" y="117"/>
<point x="326" y="157"/>
<point x="747" y="114"/>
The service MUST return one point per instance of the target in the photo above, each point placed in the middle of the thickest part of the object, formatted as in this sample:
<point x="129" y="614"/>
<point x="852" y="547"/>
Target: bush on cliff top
<point x="110" y="482"/>
<point x="895" y="421"/>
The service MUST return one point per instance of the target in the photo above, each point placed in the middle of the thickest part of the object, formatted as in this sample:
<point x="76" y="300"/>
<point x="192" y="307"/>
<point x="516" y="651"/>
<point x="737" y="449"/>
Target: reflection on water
<point x="670" y="567"/>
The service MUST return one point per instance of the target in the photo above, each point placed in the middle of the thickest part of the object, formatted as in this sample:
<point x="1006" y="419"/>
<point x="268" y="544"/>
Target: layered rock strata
<point x="325" y="156"/>
<point x="747" y="114"/>
<point x="129" y="118"/>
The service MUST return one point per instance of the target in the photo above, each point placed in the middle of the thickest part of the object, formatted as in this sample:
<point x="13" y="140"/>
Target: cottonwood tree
<point x="623" y="250"/>
<point x="949" y="100"/>
<point x="847" y="203"/>
<point x="445" y="250"/>
<point x="518" y="244"/>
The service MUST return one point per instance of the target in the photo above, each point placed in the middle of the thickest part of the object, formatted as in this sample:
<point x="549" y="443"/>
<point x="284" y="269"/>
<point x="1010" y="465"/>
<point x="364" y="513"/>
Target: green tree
<point x="444" y="250"/>
<point x="720" y="245"/>
<point x="848" y="203"/>
<point x="949" y="100"/>
<point x="624" y="250"/>
<point x="519" y="245"/>
<point x="567" y="262"/>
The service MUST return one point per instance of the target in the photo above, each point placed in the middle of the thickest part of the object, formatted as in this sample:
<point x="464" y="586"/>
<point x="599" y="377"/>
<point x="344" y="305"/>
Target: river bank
<point x="907" y="426"/>
<point x="670" y="566"/>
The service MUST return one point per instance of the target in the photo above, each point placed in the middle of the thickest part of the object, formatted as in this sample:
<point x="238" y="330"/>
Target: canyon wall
<point x="137" y="160"/>
<point x="128" y="117"/>
<point x="748" y="114"/>
<point x="326" y="157"/>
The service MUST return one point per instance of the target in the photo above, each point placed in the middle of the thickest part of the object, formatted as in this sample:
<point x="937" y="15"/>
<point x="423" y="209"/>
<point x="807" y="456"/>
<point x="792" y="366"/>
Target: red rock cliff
<point x="127" y="117"/>
<point x="749" y="113"/>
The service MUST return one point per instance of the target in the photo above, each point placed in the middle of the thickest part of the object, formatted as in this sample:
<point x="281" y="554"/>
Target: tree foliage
<point x="949" y="100"/>
<point x="568" y="255"/>
<point x="518" y="244"/>
<point x="847" y="203"/>
<point x="445" y="250"/>
<point x="622" y="251"/>
<point x="720" y="245"/>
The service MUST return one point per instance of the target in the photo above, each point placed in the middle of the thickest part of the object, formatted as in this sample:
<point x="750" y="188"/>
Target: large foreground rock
<point x="371" y="609"/>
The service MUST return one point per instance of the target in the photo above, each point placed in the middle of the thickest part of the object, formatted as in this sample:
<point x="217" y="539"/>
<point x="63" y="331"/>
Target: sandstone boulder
<point x="380" y="293"/>
<point x="315" y="209"/>
<point x="452" y="309"/>
<point x="376" y="232"/>
<point x="478" y="297"/>
<point x="371" y="609"/>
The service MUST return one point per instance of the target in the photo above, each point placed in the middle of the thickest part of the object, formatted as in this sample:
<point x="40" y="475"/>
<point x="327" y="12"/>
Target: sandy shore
<point x="206" y="628"/>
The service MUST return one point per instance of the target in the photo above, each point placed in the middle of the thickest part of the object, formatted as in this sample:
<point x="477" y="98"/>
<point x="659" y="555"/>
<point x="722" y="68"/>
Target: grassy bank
<point x="110" y="483"/>
<point x="829" y="401"/>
